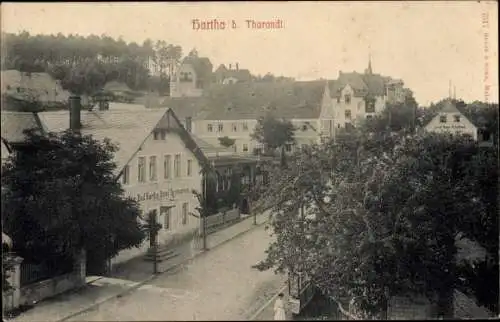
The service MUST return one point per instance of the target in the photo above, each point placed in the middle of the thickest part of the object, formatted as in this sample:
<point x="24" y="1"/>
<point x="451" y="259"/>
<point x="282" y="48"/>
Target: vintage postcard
<point x="254" y="160"/>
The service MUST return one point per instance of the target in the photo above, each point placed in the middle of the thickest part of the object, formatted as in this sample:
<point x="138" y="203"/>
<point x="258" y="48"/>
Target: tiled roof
<point x="291" y="100"/>
<point x="362" y="84"/>
<point x="194" y="107"/>
<point x="127" y="130"/>
<point x="15" y="123"/>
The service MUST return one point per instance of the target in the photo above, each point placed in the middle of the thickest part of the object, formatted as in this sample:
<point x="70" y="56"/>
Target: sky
<point x="426" y="44"/>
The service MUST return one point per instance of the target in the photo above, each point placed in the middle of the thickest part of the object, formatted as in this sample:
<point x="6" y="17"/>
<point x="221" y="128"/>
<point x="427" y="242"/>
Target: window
<point x="167" y="167"/>
<point x="347" y="114"/>
<point x="234" y="127"/>
<point x="245" y="147"/>
<point x="369" y="117"/>
<point x="338" y="99"/>
<point x="304" y="127"/>
<point x="166" y="213"/>
<point x="163" y="134"/>
<point x="141" y="167"/>
<point x="347" y="99"/>
<point x="245" y="126"/>
<point x="189" y="167"/>
<point x="220" y="127"/>
<point x="126" y="175"/>
<point x="442" y="119"/>
<point x="288" y="147"/>
<point x="210" y="128"/>
<point x="304" y="146"/>
<point x="184" y="213"/>
<point x="152" y="168"/>
<point x="177" y="165"/>
<point x="456" y="117"/>
<point x="188" y="124"/>
<point x="370" y="107"/>
<point x="8" y="87"/>
<point x="156" y="135"/>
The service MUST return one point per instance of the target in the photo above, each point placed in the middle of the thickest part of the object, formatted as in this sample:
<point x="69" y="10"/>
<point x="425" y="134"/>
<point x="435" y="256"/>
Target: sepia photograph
<point x="249" y="160"/>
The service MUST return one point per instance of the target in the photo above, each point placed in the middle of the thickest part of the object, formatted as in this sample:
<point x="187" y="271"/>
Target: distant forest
<point x="84" y="64"/>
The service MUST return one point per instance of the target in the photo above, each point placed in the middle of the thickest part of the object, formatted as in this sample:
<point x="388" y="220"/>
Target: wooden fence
<point x="222" y="218"/>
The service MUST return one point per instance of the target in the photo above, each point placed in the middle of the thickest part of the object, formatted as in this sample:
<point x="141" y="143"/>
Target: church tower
<point x="369" y="69"/>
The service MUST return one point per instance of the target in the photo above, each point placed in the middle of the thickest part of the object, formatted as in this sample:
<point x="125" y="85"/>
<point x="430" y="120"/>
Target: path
<point x="217" y="285"/>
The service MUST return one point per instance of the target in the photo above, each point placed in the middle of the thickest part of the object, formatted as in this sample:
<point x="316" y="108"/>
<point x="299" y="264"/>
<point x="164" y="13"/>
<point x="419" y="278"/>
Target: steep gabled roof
<point x="362" y="84"/>
<point x="128" y="129"/>
<point x="15" y="123"/>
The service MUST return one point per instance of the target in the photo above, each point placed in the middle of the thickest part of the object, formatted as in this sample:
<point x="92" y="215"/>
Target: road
<point x="217" y="285"/>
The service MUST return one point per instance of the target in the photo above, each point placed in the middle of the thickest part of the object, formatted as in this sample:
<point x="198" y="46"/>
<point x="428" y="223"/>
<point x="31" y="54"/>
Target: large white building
<point x="158" y="163"/>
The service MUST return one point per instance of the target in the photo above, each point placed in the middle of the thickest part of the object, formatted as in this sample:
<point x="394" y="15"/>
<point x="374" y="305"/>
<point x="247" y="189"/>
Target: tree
<point x="273" y="133"/>
<point x="226" y="141"/>
<point x="380" y="218"/>
<point x="396" y="116"/>
<point x="62" y="196"/>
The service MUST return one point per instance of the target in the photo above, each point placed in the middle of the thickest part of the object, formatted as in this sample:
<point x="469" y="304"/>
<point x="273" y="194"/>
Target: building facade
<point x="360" y="96"/>
<point x="233" y="111"/>
<point x="158" y="164"/>
<point x="450" y="120"/>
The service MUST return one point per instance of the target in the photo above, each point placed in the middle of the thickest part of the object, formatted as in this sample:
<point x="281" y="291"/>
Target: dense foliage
<point x="60" y="195"/>
<point x="381" y="215"/>
<point x="273" y="133"/>
<point x="84" y="64"/>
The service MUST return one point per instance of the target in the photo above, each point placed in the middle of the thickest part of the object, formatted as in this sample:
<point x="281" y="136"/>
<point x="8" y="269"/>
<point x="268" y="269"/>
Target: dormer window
<point x="347" y="98"/>
<point x="442" y="119"/>
<point x="456" y="118"/>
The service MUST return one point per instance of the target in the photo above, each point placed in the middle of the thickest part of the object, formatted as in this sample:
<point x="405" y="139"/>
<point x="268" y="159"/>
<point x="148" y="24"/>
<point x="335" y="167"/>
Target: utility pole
<point x="205" y="211"/>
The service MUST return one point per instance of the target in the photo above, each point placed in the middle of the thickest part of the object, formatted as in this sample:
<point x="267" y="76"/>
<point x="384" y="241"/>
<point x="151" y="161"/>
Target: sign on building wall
<point x="160" y="195"/>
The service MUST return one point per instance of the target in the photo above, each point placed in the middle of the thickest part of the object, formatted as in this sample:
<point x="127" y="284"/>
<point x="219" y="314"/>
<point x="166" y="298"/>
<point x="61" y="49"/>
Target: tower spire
<point x="449" y="89"/>
<point x="369" y="69"/>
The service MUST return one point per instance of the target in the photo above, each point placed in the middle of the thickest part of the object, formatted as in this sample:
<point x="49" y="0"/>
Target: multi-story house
<point x="191" y="77"/>
<point x="359" y="96"/>
<point x="233" y="111"/>
<point x="158" y="163"/>
<point x="39" y="87"/>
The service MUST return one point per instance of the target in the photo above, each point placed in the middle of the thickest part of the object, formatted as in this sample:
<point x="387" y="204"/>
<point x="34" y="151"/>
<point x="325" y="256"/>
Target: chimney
<point x="237" y="67"/>
<point x="74" y="113"/>
<point x="229" y="66"/>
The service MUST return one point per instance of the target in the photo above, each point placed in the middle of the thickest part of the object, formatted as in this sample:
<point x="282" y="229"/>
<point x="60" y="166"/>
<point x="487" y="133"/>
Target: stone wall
<point x="35" y="292"/>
